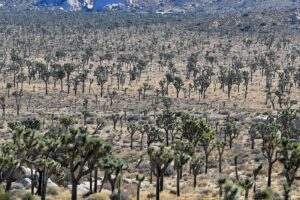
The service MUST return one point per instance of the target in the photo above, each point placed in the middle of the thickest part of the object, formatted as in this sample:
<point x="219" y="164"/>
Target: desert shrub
<point x="4" y="195"/>
<point x="28" y="196"/>
<point x="52" y="191"/>
<point x="98" y="196"/>
<point x="266" y="194"/>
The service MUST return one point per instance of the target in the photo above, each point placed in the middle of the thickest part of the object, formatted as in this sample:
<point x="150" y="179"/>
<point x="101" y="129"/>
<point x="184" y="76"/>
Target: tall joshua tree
<point x="246" y="79"/>
<point x="45" y="75"/>
<point x="132" y="129"/>
<point x="199" y="132"/>
<point x="178" y="84"/>
<point x="167" y="121"/>
<point x="160" y="158"/>
<point x="289" y="157"/>
<point x="183" y="151"/>
<point x="270" y="142"/>
<point x="231" y="130"/>
<point x="80" y="149"/>
<point x="195" y="167"/>
<point x="69" y="68"/>
<point x="101" y="74"/>
<point x="18" y="99"/>
<point x="220" y="148"/>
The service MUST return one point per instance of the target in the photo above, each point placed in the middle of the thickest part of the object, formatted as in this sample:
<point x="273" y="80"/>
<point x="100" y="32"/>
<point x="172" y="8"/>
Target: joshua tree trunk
<point x="287" y="192"/>
<point x="157" y="186"/>
<point x="246" y="194"/>
<point x="95" y="180"/>
<point x="270" y="173"/>
<point x="138" y="191"/>
<point x="161" y="183"/>
<point x="220" y="191"/>
<point x="195" y="180"/>
<point x="74" y="190"/>
<point x="206" y="163"/>
<point x="91" y="182"/>
<point x="236" y="169"/>
<point x="220" y="164"/>
<point x="178" y="182"/>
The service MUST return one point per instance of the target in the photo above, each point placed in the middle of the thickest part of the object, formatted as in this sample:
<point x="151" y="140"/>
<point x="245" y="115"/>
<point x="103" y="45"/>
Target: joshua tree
<point x="113" y="167"/>
<point x="66" y="122"/>
<point x="140" y="178"/>
<point x="21" y="78"/>
<point x="169" y="79"/>
<point x="183" y="151"/>
<point x="18" y="98"/>
<point x="115" y="118"/>
<point x="80" y="149"/>
<point x="140" y="90"/>
<point x="132" y="128"/>
<point x="3" y="105"/>
<point x="220" y="147"/>
<point x="236" y="167"/>
<point x="221" y="182"/>
<point x="178" y="84"/>
<point x="101" y="74"/>
<point x="144" y="129"/>
<point x="8" y="87"/>
<point x="45" y="75"/>
<point x="246" y="184"/>
<point x="231" y="130"/>
<point x="60" y="74"/>
<point x="112" y="95"/>
<point x="253" y="68"/>
<point x="246" y="82"/>
<point x="146" y="87"/>
<point x="75" y="82"/>
<point x="82" y="78"/>
<point x="153" y="135"/>
<point x="256" y="172"/>
<point x="195" y="166"/>
<point x="85" y="111"/>
<point x="160" y="158"/>
<point x="167" y="102"/>
<point x="203" y="81"/>
<point x="166" y="121"/>
<point x="230" y="80"/>
<point x="231" y="191"/>
<point x="270" y="142"/>
<point x="253" y="134"/>
<point x="69" y="69"/>
<point x="289" y="156"/>
<point x="206" y="141"/>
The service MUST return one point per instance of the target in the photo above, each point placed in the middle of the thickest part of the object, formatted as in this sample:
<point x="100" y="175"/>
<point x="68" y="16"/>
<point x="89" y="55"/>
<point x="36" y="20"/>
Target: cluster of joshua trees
<point x="148" y="66"/>
<point x="64" y="148"/>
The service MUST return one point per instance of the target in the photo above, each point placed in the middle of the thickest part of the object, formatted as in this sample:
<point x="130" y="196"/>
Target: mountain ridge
<point x="208" y="6"/>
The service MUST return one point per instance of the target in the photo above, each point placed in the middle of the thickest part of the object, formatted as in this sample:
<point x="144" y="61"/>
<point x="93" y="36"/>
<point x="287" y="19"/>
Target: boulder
<point x="170" y="171"/>
<point x="134" y="117"/>
<point x="123" y="196"/>
<point x="50" y="183"/>
<point x="26" y="182"/>
<point x="91" y="120"/>
<point x="17" y="186"/>
<point x="260" y="118"/>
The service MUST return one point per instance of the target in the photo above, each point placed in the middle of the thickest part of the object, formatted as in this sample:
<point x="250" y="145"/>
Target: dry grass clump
<point x="98" y="196"/>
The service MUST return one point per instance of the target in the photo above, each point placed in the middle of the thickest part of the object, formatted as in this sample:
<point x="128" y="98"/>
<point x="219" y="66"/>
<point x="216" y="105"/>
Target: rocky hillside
<point x="207" y="6"/>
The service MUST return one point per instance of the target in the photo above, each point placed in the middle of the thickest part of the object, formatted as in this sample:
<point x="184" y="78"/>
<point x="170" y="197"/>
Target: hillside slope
<point x="208" y="6"/>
